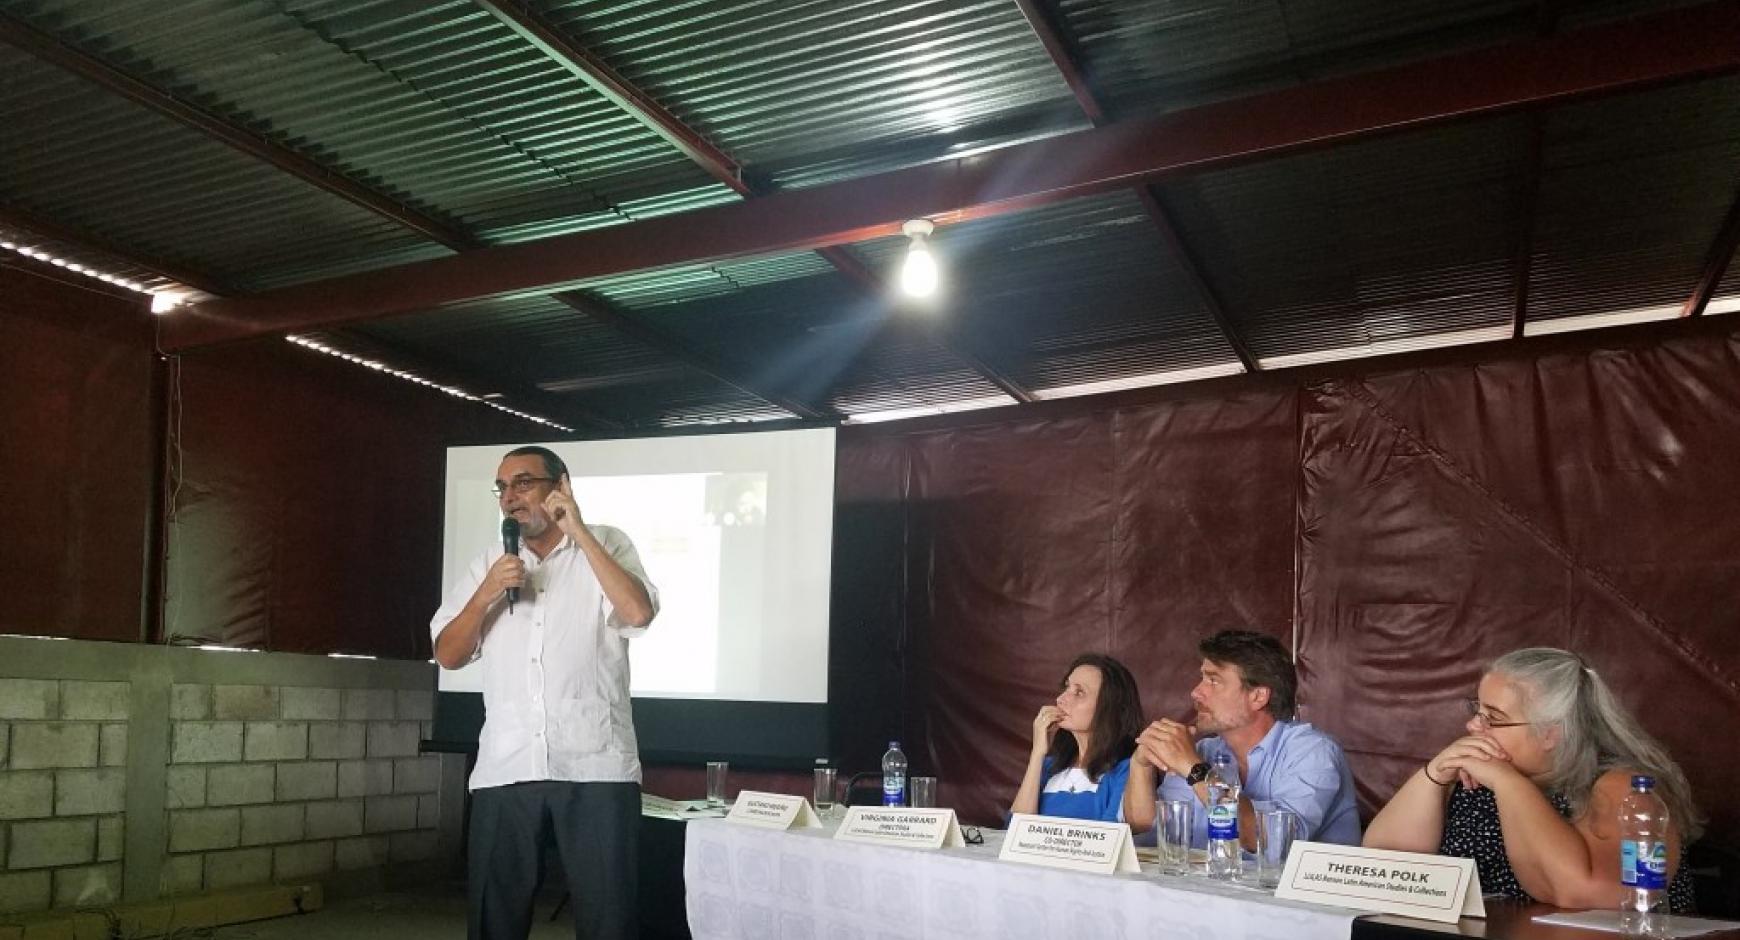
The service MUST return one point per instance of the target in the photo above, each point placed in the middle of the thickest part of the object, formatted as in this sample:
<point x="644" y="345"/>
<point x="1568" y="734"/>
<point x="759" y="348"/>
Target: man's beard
<point x="535" y="525"/>
<point x="1209" y="723"/>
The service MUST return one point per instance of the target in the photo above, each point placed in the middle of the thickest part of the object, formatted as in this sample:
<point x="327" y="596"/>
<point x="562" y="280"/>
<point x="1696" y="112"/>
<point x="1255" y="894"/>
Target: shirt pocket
<point x="581" y="724"/>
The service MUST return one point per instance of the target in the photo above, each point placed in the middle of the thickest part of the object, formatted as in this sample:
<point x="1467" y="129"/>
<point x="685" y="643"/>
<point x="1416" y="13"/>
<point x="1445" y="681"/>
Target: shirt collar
<point x="1271" y="739"/>
<point x="566" y="542"/>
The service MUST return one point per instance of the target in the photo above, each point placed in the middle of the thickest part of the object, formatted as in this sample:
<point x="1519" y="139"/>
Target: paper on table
<point x="1672" y="925"/>
<point x="659" y="806"/>
<point x="1151" y="855"/>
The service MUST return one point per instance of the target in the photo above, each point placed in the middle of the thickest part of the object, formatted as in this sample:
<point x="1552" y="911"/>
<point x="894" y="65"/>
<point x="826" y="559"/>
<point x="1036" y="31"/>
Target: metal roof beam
<point x="1721" y="255"/>
<point x="1522" y="224"/>
<point x="1047" y="25"/>
<point x="710" y="157"/>
<point x="1192" y="267"/>
<point x="14" y="217"/>
<point x="600" y="77"/>
<point x="1066" y="56"/>
<point x="437" y="369"/>
<point x="732" y="374"/>
<point x="536" y="400"/>
<point x="49" y="49"/>
<point x="1527" y="206"/>
<point x="1678" y="45"/>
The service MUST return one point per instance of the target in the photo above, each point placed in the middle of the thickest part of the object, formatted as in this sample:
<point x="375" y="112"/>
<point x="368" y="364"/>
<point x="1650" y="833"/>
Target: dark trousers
<point x="596" y="828"/>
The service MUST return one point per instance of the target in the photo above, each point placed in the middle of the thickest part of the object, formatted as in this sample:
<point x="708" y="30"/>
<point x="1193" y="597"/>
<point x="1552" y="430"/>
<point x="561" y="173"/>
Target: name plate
<point x="1432" y="887"/>
<point x="773" y="811"/>
<point x="1075" y="844"/>
<point x="914" y="828"/>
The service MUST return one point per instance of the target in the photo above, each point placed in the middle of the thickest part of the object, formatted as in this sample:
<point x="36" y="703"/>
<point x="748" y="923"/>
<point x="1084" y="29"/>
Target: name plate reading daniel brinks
<point x="773" y="811"/>
<point x="1431" y="887"/>
<point x="1075" y="844"/>
<point x="892" y="825"/>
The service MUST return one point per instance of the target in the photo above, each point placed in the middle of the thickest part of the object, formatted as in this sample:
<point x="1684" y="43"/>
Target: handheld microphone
<point x="510" y="544"/>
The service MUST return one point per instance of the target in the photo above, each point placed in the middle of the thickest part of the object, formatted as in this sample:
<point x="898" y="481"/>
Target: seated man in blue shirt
<point x="1244" y="706"/>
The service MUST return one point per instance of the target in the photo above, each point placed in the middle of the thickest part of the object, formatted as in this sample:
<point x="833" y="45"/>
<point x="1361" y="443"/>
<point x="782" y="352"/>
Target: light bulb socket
<point x="918" y="228"/>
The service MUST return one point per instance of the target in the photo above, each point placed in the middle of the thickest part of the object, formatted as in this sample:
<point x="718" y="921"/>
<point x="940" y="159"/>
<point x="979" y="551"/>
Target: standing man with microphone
<point x="549" y="626"/>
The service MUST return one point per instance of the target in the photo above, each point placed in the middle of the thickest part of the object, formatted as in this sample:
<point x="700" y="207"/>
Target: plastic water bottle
<point x="1224" y="860"/>
<point x="1643" y="823"/>
<point x="894" y="776"/>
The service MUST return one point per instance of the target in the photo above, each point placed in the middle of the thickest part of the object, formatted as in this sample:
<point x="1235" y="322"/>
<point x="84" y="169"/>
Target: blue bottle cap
<point x="894" y="745"/>
<point x="1642" y="782"/>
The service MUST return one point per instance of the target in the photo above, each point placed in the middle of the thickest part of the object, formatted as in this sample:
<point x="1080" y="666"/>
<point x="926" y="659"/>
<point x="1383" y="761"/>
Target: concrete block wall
<point x="63" y="788"/>
<point x="283" y="782"/>
<point x="132" y="772"/>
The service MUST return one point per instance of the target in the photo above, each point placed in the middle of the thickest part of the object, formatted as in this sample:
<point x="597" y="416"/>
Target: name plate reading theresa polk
<point x="1431" y="887"/>
<point x="1076" y="844"/>
<point x="914" y="828"/>
<point x="773" y="811"/>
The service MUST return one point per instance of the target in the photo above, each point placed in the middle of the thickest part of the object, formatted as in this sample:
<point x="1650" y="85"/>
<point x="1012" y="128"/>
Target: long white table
<point x="755" y="884"/>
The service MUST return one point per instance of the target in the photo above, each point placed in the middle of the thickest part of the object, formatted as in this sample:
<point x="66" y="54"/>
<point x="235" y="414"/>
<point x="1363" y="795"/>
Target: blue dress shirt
<point x="1295" y="767"/>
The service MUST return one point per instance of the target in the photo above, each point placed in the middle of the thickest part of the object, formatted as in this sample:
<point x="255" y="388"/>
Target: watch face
<point x="1197" y="774"/>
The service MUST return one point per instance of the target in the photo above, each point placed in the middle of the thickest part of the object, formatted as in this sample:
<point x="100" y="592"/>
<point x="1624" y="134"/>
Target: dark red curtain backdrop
<point x="309" y="512"/>
<point x="1397" y="529"/>
<point x="76" y="446"/>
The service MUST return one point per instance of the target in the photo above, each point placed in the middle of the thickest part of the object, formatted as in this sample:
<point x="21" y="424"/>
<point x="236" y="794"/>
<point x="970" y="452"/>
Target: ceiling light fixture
<point x="918" y="273"/>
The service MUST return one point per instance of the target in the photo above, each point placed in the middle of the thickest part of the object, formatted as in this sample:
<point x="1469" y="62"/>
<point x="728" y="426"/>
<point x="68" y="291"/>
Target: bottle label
<point x="1651" y="865"/>
<point x="1223" y="821"/>
<point x="1628" y="863"/>
<point x="893" y="789"/>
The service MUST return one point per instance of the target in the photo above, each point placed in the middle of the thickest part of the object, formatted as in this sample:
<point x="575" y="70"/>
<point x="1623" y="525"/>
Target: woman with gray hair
<point x="1532" y="792"/>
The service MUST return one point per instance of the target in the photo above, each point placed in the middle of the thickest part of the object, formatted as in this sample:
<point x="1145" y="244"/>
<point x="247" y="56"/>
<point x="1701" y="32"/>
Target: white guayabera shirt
<point x="555" y="670"/>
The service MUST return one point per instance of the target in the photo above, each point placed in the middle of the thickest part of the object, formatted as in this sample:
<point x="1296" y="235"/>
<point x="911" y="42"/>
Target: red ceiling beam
<point x="1721" y="255"/>
<point x="1673" y="46"/>
<point x="90" y="68"/>
<point x="602" y="78"/>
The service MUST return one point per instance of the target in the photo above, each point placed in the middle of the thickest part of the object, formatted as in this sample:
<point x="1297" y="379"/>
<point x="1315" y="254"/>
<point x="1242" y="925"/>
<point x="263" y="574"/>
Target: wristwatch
<point x="1198" y="773"/>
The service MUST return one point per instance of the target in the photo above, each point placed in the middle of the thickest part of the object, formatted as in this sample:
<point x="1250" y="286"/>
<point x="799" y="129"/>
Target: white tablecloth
<point x="755" y="884"/>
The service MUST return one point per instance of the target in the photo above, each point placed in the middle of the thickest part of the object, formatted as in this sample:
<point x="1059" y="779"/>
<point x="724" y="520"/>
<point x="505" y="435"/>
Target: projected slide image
<point x="737" y="499"/>
<point x="736" y="532"/>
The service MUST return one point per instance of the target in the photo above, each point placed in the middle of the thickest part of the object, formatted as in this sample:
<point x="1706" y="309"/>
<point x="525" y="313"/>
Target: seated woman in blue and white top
<point x="1080" y="773"/>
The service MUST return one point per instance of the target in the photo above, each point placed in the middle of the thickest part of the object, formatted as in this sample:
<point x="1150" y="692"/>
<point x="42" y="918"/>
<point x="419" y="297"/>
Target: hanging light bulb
<point x="918" y="274"/>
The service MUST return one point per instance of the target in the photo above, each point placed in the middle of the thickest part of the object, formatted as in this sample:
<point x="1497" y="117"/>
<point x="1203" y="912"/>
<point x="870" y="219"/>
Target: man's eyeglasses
<point x="1479" y="714"/>
<point x="972" y="836"/>
<point x="520" y="485"/>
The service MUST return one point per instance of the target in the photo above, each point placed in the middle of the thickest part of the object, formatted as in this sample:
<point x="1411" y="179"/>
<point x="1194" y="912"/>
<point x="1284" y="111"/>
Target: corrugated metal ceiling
<point x="1402" y="241"/>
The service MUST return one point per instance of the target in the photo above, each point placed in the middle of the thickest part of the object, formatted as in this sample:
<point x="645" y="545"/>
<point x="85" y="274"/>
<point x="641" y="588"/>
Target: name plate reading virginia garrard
<point x="914" y="828"/>
<point x="773" y="811"/>
<point x="1432" y="887"/>
<point x="1076" y="844"/>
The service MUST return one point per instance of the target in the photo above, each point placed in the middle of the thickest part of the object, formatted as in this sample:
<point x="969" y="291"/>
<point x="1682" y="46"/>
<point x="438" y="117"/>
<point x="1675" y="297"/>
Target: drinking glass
<point x="1176" y="826"/>
<point x="1276" y="830"/>
<point x="716" y="773"/>
<point x="923" y="793"/>
<point x="823" y="794"/>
